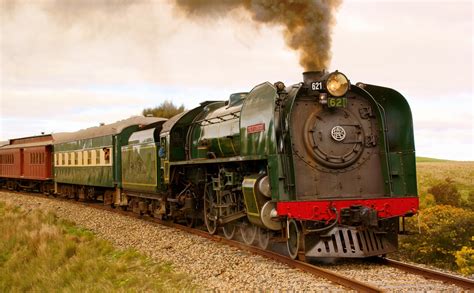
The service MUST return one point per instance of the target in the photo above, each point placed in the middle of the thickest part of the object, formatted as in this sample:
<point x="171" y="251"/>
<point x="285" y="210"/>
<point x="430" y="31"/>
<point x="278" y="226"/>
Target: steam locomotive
<point x="324" y="165"/>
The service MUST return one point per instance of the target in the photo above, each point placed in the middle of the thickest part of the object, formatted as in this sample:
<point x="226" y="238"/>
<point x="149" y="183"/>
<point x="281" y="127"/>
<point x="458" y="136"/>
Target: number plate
<point x="317" y="86"/>
<point x="337" y="102"/>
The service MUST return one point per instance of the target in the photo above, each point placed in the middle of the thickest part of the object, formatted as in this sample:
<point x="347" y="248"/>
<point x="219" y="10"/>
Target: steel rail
<point x="429" y="273"/>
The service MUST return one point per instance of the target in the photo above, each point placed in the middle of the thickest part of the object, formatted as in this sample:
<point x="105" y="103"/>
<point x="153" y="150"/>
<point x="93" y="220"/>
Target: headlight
<point x="337" y="84"/>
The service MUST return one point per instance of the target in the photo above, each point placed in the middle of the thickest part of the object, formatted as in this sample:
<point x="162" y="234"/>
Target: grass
<point x="41" y="253"/>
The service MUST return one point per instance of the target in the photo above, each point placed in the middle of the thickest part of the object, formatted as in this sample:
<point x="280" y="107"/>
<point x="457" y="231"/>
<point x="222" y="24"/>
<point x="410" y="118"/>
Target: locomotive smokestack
<point x="310" y="76"/>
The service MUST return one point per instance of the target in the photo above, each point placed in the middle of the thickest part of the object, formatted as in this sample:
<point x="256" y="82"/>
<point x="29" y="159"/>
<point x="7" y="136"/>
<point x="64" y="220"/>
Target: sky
<point x="68" y="68"/>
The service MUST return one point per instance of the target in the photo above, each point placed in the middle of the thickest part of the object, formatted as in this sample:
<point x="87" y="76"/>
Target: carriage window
<point x="89" y="157"/>
<point x="76" y="158"/>
<point x="69" y="157"/>
<point x="97" y="157"/>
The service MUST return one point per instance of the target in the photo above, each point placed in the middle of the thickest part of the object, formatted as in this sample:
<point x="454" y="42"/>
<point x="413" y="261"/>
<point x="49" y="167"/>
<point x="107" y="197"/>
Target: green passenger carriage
<point x="87" y="163"/>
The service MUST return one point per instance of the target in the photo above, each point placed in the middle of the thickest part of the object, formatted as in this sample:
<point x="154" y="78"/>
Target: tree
<point x="165" y="110"/>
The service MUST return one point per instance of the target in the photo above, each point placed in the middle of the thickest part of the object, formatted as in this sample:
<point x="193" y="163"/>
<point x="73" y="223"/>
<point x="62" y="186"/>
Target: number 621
<point x="316" y="86"/>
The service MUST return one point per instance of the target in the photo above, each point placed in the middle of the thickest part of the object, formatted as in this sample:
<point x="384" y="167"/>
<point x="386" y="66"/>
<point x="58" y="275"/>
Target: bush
<point x="446" y="193"/>
<point x="444" y="230"/>
<point x="465" y="260"/>
<point x="468" y="203"/>
<point x="427" y="201"/>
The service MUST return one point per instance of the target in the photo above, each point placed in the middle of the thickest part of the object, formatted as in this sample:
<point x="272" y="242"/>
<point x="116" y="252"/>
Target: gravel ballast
<point x="213" y="265"/>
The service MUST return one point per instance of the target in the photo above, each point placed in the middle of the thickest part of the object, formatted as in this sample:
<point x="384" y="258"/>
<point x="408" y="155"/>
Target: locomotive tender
<point x="324" y="165"/>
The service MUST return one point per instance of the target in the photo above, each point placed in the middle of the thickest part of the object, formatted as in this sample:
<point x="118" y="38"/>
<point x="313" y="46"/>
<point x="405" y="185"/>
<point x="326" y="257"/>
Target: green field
<point x="41" y="253"/>
<point x="430" y="173"/>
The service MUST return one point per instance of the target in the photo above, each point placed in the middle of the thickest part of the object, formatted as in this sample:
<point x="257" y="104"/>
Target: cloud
<point x="420" y="47"/>
<point x="74" y="70"/>
<point x="146" y="42"/>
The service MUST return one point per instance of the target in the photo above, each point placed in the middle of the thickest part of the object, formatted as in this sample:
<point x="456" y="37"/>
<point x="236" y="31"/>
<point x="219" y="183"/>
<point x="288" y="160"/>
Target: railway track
<point x="328" y="274"/>
<point x="314" y="270"/>
<point x="429" y="273"/>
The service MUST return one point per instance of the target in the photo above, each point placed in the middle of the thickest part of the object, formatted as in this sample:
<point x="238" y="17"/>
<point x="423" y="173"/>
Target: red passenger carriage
<point x="26" y="163"/>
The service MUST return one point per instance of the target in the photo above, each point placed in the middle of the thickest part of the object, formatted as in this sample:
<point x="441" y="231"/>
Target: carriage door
<point x="165" y="158"/>
<point x="22" y="163"/>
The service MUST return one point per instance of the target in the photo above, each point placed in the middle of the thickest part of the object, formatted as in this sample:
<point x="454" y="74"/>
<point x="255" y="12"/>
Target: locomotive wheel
<point x="263" y="238"/>
<point x="229" y="229"/>
<point x="293" y="241"/>
<point x="248" y="232"/>
<point x="210" y="218"/>
<point x="190" y="213"/>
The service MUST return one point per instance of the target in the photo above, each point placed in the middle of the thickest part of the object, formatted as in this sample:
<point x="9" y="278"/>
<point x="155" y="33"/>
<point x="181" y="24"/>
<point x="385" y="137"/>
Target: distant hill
<point x="429" y="160"/>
